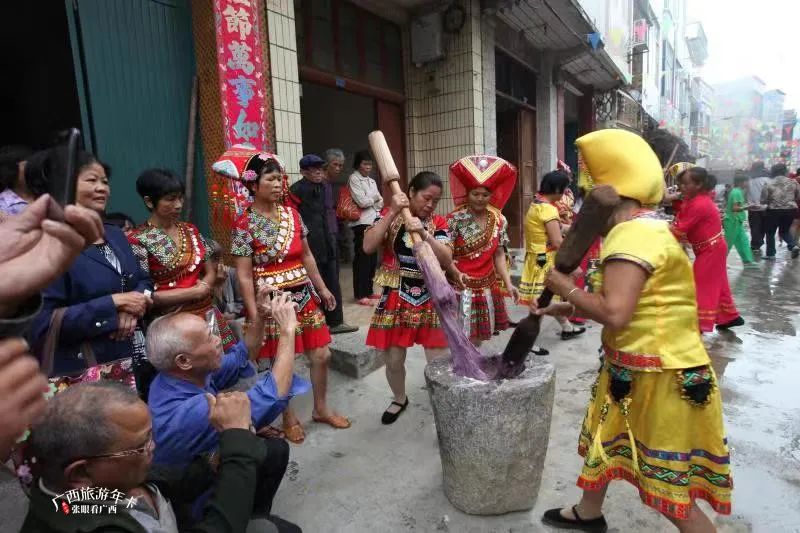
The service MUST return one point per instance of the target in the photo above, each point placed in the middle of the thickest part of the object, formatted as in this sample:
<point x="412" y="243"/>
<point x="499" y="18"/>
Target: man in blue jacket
<point x="191" y="364"/>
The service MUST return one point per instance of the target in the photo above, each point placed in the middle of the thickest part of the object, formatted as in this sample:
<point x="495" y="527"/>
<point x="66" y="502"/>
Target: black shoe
<point x="284" y="526"/>
<point x="738" y="321"/>
<point x="342" y="328"/>
<point x="795" y="252"/>
<point x="553" y="518"/>
<point x="390" y="418"/>
<point x="567" y="335"/>
<point x="540" y="351"/>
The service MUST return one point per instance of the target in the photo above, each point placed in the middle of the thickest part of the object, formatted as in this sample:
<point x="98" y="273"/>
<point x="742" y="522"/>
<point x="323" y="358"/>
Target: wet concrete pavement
<point x="373" y="477"/>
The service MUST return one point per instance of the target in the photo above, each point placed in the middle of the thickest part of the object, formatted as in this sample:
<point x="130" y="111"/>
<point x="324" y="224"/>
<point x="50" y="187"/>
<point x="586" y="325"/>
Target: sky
<point x="747" y="37"/>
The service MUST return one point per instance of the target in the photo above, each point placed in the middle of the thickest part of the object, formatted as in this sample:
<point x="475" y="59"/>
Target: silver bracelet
<point x="566" y="298"/>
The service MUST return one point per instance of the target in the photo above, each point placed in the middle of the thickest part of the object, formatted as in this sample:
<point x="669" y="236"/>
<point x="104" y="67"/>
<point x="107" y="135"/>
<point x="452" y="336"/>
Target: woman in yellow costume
<point x="656" y="387"/>
<point x="543" y="236"/>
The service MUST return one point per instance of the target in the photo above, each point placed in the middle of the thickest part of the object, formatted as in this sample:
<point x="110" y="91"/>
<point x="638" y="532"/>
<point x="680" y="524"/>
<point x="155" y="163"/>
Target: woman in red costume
<point x="269" y="246"/>
<point x="405" y="315"/>
<point x="698" y="223"/>
<point x="481" y="186"/>
<point x="175" y="254"/>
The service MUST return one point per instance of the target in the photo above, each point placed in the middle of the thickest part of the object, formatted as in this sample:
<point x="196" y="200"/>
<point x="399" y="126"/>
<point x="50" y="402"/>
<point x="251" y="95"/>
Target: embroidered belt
<point x="633" y="361"/>
<point x="283" y="278"/>
<point x="385" y="277"/>
<point x="482" y="282"/>
<point x="705" y="245"/>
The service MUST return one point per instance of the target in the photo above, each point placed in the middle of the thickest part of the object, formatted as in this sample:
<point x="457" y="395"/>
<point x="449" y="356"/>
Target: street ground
<point x="373" y="477"/>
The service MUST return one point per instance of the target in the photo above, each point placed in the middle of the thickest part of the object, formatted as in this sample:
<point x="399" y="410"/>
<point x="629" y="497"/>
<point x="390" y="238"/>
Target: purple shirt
<point x="11" y="203"/>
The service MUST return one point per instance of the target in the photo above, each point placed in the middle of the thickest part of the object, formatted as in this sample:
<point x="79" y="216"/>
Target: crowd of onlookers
<point x="138" y="338"/>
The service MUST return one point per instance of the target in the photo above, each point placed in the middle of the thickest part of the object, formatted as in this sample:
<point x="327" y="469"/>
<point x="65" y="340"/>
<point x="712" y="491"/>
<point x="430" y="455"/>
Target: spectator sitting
<point x="191" y="364"/>
<point x="15" y="195"/>
<point x="98" y="436"/>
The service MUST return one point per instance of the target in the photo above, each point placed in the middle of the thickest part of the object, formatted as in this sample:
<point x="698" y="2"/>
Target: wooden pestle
<point x="593" y="221"/>
<point x="388" y="172"/>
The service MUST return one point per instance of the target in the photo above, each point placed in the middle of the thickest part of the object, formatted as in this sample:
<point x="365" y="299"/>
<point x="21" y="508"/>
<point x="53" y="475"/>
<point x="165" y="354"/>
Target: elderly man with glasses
<point x="94" y="446"/>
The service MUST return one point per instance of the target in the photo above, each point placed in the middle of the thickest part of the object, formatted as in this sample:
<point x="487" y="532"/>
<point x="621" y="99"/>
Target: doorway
<point x="39" y="97"/>
<point x="516" y="143"/>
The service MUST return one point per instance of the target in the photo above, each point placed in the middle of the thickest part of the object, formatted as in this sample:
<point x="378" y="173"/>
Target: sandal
<point x="554" y="518"/>
<point x="389" y="417"/>
<point x="335" y="421"/>
<point x="295" y="434"/>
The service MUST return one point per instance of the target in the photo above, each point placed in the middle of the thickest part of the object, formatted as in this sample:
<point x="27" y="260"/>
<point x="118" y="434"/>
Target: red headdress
<point x="496" y="174"/>
<point x="241" y="163"/>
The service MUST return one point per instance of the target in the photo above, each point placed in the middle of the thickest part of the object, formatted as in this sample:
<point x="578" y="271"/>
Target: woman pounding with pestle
<point x="655" y="415"/>
<point x="405" y="315"/>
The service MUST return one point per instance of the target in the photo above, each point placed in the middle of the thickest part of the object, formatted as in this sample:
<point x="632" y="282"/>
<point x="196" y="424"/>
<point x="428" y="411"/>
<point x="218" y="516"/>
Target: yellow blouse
<point x="539" y="214"/>
<point x="664" y="332"/>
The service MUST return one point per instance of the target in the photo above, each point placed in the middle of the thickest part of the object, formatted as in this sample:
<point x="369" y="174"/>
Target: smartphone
<point x="64" y="181"/>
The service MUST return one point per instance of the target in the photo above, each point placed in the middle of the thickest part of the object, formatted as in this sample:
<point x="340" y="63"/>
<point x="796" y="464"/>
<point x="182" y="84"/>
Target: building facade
<point x="182" y="80"/>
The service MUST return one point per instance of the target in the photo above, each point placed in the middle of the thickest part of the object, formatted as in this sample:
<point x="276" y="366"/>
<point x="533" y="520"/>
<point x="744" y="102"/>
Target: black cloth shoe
<point x="284" y="526"/>
<point x="567" y="335"/>
<point x="342" y="328"/>
<point x="553" y="518"/>
<point x="540" y="351"/>
<point x="738" y="321"/>
<point x="389" y="417"/>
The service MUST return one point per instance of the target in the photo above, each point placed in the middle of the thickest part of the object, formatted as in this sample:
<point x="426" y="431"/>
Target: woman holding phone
<point x="92" y="313"/>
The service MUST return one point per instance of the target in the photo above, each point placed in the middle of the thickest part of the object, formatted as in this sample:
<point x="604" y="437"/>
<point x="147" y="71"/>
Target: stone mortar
<point x="493" y="436"/>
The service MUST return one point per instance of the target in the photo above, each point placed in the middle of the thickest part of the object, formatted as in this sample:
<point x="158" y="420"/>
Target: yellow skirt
<point x="531" y="285"/>
<point x="681" y="452"/>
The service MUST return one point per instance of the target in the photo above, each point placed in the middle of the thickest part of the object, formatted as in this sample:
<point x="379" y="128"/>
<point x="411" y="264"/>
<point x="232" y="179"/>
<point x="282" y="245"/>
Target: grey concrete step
<point x="351" y="356"/>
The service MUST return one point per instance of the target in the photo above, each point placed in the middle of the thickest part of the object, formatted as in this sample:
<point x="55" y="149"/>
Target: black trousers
<point x="329" y="270"/>
<point x="756" y="221"/>
<point x="779" y="220"/>
<point x="363" y="265"/>
<point x="270" y="474"/>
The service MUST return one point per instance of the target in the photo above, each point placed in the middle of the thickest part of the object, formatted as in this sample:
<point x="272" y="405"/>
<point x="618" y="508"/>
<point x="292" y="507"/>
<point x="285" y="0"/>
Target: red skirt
<point x="714" y="299"/>
<point x="312" y="331"/>
<point x="487" y="313"/>
<point x="397" y="322"/>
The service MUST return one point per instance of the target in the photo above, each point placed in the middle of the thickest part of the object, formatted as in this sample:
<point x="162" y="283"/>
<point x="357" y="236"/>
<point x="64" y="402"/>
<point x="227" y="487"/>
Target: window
<point x="343" y="39"/>
<point x="513" y="79"/>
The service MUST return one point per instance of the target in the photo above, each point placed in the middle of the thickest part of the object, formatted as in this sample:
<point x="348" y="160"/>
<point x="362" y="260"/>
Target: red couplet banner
<point x="241" y="72"/>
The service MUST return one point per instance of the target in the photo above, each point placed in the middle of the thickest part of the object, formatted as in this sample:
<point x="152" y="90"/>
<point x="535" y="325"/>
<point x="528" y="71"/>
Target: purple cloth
<point x="11" y="203"/>
<point x="465" y="358"/>
<point x="330" y="209"/>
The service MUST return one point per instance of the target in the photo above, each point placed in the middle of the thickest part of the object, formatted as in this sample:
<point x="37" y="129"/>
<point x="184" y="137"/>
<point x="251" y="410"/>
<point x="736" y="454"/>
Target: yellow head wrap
<point x="677" y="168"/>
<point x="626" y="162"/>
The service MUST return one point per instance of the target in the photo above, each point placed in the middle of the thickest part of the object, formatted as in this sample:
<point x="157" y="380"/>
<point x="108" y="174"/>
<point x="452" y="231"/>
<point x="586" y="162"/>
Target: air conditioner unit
<point x="427" y="38"/>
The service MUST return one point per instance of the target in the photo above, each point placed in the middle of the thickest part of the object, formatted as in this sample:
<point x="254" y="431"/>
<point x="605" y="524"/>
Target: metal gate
<point x="134" y="63"/>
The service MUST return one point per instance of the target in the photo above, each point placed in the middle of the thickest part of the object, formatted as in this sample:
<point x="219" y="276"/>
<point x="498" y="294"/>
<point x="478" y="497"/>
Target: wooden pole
<point x="190" y="151"/>
<point x="388" y="171"/>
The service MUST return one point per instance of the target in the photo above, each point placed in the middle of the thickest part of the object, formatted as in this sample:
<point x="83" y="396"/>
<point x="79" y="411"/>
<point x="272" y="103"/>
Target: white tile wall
<point x="285" y="84"/>
<point x="444" y="116"/>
